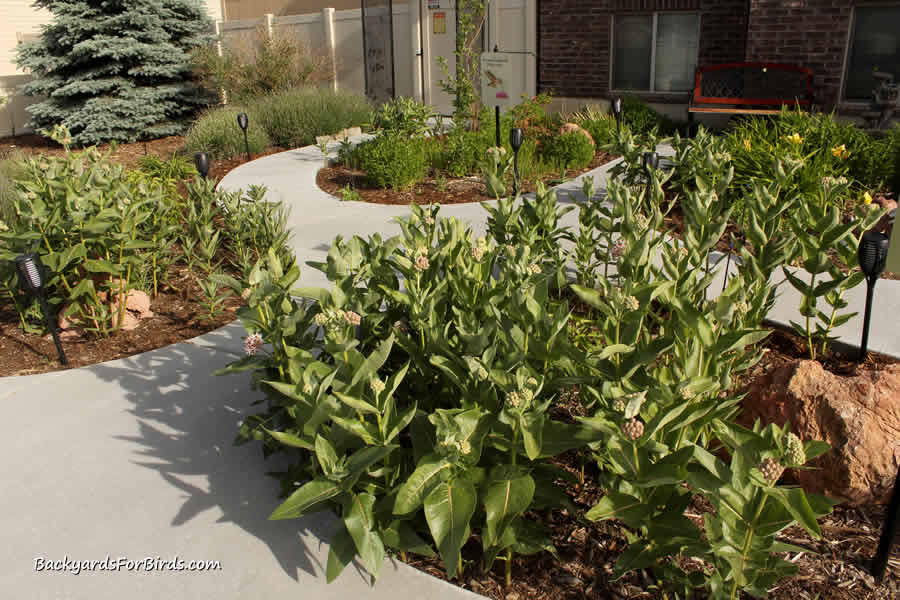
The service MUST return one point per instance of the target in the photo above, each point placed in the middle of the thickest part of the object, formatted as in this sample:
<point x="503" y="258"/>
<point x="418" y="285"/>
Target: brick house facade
<point x="574" y="40"/>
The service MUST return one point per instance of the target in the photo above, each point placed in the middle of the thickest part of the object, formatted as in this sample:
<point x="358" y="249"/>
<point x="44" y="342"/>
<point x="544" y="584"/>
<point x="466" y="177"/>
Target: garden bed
<point x="178" y="314"/>
<point x="835" y="568"/>
<point x="460" y="190"/>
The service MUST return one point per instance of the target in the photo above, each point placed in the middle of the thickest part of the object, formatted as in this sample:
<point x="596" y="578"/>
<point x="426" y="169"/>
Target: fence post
<point x="328" y="24"/>
<point x="416" y="50"/>
<point x="217" y="28"/>
<point x="269" y="18"/>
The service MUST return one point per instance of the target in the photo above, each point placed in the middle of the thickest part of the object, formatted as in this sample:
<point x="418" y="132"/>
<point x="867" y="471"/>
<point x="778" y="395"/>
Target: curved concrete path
<point x="134" y="458"/>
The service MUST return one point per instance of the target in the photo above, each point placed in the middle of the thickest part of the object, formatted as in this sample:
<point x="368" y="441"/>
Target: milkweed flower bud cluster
<point x="794" y="452"/>
<point x="479" y="249"/>
<point x="771" y="469"/>
<point x="633" y="429"/>
<point x="333" y="320"/>
<point x="631" y="303"/>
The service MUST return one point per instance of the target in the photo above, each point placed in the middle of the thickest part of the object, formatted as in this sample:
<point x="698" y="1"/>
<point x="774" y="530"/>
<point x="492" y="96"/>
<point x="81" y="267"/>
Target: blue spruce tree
<point x="116" y="70"/>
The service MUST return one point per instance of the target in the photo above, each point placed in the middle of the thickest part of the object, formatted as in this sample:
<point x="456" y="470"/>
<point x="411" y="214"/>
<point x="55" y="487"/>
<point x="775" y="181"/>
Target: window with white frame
<point x="874" y="44"/>
<point x="655" y="52"/>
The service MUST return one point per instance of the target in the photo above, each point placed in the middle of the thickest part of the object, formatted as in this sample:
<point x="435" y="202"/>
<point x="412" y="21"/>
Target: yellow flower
<point x="794" y="138"/>
<point x="867" y="199"/>
<point x="747" y="144"/>
<point x="839" y="151"/>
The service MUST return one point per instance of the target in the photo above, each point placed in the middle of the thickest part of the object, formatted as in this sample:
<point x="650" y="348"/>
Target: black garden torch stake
<point x="879" y="563"/>
<point x="617" y="112"/>
<point x="201" y="161"/>
<point x="516" y="137"/>
<point x="31" y="280"/>
<point x="242" y="122"/>
<point x="873" y="249"/>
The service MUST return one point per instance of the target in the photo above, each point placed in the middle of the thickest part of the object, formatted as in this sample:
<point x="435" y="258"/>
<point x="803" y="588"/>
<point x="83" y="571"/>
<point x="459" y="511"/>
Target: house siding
<point x="574" y="56"/>
<point x="810" y="33"/>
<point x="20" y="18"/>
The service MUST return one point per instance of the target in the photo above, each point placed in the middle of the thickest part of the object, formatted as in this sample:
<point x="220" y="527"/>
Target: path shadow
<point x="187" y="422"/>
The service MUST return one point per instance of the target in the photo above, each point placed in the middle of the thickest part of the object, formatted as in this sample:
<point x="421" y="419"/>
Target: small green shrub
<point x="10" y="167"/>
<point x="217" y="133"/>
<point x="295" y="117"/>
<point x="268" y="65"/>
<point x="461" y="152"/>
<point x="641" y="118"/>
<point x="567" y="150"/>
<point x="392" y="160"/>
<point x="404" y="116"/>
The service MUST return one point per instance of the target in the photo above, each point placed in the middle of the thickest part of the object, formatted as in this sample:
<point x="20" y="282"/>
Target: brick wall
<point x="774" y="34"/>
<point x="574" y="37"/>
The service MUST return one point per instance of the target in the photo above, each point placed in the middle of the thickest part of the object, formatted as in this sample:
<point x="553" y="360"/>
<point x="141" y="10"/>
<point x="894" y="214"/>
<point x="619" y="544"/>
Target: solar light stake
<point x="242" y="123"/>
<point x="617" y="111"/>
<point x="650" y="160"/>
<point x="201" y="161"/>
<point x="516" y="137"/>
<point x="879" y="563"/>
<point x="31" y="280"/>
<point x="727" y="266"/>
<point x="873" y="249"/>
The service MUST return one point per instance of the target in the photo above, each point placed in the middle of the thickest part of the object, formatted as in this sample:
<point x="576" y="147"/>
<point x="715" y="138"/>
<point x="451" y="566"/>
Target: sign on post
<point x="893" y="258"/>
<point x="501" y="82"/>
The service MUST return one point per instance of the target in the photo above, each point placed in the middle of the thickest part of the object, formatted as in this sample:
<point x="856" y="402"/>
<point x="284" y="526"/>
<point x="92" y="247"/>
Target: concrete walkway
<point x="134" y="458"/>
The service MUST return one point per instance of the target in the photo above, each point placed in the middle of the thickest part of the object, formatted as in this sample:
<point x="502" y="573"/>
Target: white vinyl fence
<point x="336" y="34"/>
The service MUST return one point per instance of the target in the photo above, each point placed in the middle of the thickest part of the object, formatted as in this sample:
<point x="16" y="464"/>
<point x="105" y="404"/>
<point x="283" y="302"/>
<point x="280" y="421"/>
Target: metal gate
<point x="378" y="49"/>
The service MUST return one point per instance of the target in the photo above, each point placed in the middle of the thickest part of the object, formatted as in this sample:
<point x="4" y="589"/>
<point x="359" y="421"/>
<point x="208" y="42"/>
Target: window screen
<point x="676" y="52"/>
<point x="633" y="37"/>
<point x="875" y="44"/>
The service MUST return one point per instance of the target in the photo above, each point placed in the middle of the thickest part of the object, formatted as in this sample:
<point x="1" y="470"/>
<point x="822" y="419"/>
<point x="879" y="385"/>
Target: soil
<point x="431" y="190"/>
<point x="177" y="314"/>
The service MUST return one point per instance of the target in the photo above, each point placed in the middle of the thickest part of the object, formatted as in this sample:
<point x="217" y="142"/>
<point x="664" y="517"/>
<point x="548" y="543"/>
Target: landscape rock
<point x="859" y="416"/>
<point x="884" y="224"/>
<point x="570" y="127"/>
<point x="139" y="302"/>
<point x="340" y="135"/>
<point x="129" y="321"/>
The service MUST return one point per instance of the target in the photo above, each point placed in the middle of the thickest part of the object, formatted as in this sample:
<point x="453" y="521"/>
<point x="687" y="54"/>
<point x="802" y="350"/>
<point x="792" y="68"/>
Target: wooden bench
<point x="750" y="88"/>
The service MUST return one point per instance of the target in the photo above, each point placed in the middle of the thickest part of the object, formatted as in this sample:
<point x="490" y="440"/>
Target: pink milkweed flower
<point x="253" y="344"/>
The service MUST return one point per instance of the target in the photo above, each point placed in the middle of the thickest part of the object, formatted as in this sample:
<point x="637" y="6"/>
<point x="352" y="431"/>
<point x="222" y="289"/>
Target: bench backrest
<point x="753" y="83"/>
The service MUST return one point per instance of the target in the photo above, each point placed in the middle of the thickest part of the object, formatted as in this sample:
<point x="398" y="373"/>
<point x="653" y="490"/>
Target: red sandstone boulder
<point x="570" y="127"/>
<point x="858" y="416"/>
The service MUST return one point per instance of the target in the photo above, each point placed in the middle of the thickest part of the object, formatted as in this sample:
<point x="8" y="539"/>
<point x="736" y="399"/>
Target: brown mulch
<point x="177" y="313"/>
<point x="176" y="317"/>
<point x="431" y="190"/>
